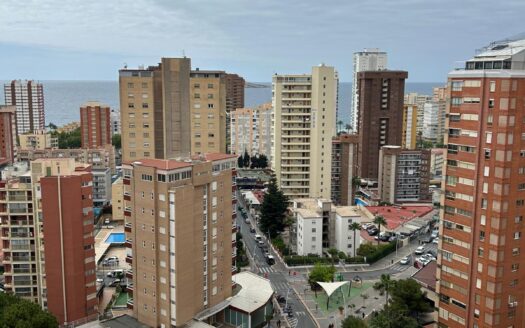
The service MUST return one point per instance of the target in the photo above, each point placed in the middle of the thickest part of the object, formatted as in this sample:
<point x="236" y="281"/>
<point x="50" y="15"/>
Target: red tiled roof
<point x="218" y="156"/>
<point x="427" y="276"/>
<point x="396" y="215"/>
<point x="163" y="164"/>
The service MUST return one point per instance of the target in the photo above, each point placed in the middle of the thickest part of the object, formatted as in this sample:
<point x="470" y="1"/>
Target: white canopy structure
<point x="331" y="287"/>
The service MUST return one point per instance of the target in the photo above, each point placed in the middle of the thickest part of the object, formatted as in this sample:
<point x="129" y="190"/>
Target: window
<point x="197" y="96"/>
<point x="515" y="267"/>
<point x="517" y="235"/>
<point x="492" y="86"/>
<point x="210" y="95"/>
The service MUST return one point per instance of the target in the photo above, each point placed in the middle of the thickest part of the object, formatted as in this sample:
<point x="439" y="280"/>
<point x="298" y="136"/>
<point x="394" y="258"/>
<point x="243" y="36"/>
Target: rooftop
<point x="502" y="49"/>
<point x="426" y="276"/>
<point x="395" y="216"/>
<point x="254" y="294"/>
<point x="346" y="211"/>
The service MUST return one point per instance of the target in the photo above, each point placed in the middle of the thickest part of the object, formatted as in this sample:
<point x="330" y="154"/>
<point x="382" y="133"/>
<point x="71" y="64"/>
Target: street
<point x="277" y="273"/>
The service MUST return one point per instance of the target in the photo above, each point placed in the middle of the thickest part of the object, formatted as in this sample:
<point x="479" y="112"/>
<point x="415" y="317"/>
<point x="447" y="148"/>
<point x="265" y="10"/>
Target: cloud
<point x="257" y="37"/>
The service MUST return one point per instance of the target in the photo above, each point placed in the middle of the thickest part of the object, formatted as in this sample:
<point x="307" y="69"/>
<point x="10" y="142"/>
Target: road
<point x="277" y="273"/>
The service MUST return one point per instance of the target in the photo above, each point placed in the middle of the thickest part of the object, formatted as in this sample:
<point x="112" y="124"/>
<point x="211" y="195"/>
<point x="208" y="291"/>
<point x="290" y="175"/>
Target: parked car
<point x="258" y="237"/>
<point x="432" y="252"/>
<point x="112" y="260"/>
<point x="106" y="221"/>
<point x="366" y="226"/>
<point x="423" y="260"/>
<point x="405" y="260"/>
<point x="260" y="243"/>
<point x="114" y="283"/>
<point x="434" y="234"/>
<point x="426" y="240"/>
<point x="252" y="229"/>
<point x="247" y="221"/>
<point x="435" y="241"/>
<point x="372" y="232"/>
<point x="270" y="260"/>
<point x="420" y="250"/>
<point x="115" y="273"/>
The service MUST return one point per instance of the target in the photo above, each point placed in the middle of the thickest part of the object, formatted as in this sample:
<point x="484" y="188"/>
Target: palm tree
<point x="380" y="221"/>
<point x="354" y="227"/>
<point x="348" y="127"/>
<point x="339" y="125"/>
<point x="384" y="285"/>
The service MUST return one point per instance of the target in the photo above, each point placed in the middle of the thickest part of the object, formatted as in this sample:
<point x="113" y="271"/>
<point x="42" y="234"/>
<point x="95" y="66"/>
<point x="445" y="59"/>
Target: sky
<point x="91" y="40"/>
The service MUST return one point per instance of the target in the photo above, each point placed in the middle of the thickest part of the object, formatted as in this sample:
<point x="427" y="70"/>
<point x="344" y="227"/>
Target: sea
<point x="62" y="99"/>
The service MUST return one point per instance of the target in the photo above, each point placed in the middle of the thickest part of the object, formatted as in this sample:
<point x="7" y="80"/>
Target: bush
<point x="376" y="252"/>
<point x="278" y="243"/>
<point x="296" y="260"/>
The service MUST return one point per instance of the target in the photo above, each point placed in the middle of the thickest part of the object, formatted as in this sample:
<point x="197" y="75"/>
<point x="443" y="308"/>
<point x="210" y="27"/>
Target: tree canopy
<point x="321" y="273"/>
<point x="353" y="322"/>
<point x="69" y="139"/>
<point x="253" y="162"/>
<point x="19" y="313"/>
<point x="273" y="210"/>
<point x="116" y="140"/>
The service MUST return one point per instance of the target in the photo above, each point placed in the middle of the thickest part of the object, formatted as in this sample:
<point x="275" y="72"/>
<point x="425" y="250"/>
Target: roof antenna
<point x="183" y="53"/>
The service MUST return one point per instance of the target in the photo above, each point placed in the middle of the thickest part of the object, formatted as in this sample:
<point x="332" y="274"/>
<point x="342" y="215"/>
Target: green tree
<point x="321" y="273"/>
<point x="69" y="139"/>
<point x="380" y="221"/>
<point x="407" y="293"/>
<point x="246" y="159"/>
<point x="340" y="126"/>
<point x="263" y="161"/>
<point x="333" y="254"/>
<point x="354" y="227"/>
<point x="393" y="316"/>
<point x="384" y="285"/>
<point x="348" y="128"/>
<point x="116" y="140"/>
<point x="52" y="126"/>
<point x="353" y="322"/>
<point x="17" y="312"/>
<point x="240" y="162"/>
<point x="273" y="210"/>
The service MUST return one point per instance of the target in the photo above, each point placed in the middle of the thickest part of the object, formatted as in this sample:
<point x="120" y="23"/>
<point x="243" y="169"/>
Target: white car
<point x="423" y="260"/>
<point x="435" y="241"/>
<point x="420" y="250"/>
<point x="366" y="225"/>
<point x="405" y="260"/>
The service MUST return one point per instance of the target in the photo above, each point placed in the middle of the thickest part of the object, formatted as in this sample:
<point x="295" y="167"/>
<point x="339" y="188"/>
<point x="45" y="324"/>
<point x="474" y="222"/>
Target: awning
<point x="331" y="287"/>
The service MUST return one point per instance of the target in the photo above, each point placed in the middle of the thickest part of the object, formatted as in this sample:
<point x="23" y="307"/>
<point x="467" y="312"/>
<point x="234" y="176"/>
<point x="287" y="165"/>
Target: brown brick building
<point x="180" y="227"/>
<point x="480" y="268"/>
<point x="7" y="134"/>
<point x="344" y="168"/>
<point x="95" y="125"/>
<point x="381" y="96"/>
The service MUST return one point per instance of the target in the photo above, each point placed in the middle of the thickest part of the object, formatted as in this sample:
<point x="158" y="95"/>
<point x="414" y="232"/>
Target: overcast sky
<point x="91" y="40"/>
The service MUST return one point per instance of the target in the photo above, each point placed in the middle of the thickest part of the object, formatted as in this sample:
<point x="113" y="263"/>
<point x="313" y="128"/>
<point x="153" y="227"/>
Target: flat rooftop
<point x="395" y="216"/>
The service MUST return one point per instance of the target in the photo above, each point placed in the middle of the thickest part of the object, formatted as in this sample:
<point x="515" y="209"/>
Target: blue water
<point x="62" y="99"/>
<point x="116" y="237"/>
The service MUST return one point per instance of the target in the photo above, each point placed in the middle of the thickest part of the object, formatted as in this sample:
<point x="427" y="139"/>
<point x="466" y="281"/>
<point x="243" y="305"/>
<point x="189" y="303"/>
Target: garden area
<point x="352" y="296"/>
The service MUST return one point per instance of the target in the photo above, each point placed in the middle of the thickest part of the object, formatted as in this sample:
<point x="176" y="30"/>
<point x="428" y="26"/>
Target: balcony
<point x="128" y="243"/>
<point x="129" y="273"/>
<point x="127" y="227"/>
<point x="129" y="304"/>
<point x="127" y="196"/>
<point x="129" y="287"/>
<point x="127" y="211"/>
<point x="234" y="269"/>
<point x="127" y="182"/>
<point x="129" y="259"/>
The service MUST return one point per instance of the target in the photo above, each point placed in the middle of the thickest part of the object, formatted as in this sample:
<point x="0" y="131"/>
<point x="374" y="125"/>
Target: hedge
<point x="295" y="260"/>
<point x="376" y="252"/>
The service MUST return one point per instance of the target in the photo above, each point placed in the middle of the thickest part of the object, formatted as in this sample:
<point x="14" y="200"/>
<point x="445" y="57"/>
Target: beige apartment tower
<point x="251" y="130"/>
<point x="154" y="109"/>
<point x="305" y="109"/>
<point x="181" y="232"/>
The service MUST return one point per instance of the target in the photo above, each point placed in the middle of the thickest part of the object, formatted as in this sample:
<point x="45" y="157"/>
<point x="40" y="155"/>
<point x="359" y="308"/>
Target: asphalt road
<point x="277" y="273"/>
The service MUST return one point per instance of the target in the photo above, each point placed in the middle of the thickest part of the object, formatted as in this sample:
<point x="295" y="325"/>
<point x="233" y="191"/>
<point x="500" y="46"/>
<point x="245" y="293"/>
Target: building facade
<point x="409" y="138"/>
<point x="180" y="227"/>
<point x="95" y="125"/>
<point x="480" y="269"/>
<point x="8" y="151"/>
<point x="38" y="140"/>
<point x="367" y="60"/>
<point x="437" y="162"/>
<point x="304" y="116"/>
<point x="380" y="116"/>
<point x="155" y="110"/>
<point x="102" y="191"/>
<point x="414" y="98"/>
<point x="404" y="175"/>
<point x="117" y="200"/>
<point x="344" y="168"/>
<point x="28" y="97"/>
<point x="57" y="268"/>
<point x="234" y="99"/>
<point x="251" y="130"/>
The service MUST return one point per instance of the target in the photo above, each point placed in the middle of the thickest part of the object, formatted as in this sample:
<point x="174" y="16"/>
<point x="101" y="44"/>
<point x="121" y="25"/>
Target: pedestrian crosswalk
<point x="280" y="286"/>
<point x="266" y="269"/>
<point x="292" y="321"/>
<point x="399" y="267"/>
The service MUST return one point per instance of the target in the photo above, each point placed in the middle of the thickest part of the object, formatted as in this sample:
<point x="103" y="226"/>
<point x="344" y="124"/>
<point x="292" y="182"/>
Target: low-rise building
<point x="320" y="225"/>
<point x="403" y="175"/>
<point x="98" y="158"/>
<point x="39" y="139"/>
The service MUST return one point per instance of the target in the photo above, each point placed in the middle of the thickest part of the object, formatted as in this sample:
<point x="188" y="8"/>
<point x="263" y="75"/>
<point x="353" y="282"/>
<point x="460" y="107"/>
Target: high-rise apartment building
<point x="180" y="225"/>
<point x="155" y="110"/>
<point x="28" y="97"/>
<point x="404" y="175"/>
<point x="169" y="111"/>
<point x="419" y="100"/>
<point x="7" y="134"/>
<point x="234" y="99"/>
<point x="480" y="278"/>
<point x="251" y="130"/>
<point x="208" y="111"/>
<point x="344" y="168"/>
<point x="305" y="109"/>
<point x="367" y="60"/>
<point x="95" y="125"/>
<point x="381" y="95"/>
<point x="409" y="138"/>
<point x="50" y="261"/>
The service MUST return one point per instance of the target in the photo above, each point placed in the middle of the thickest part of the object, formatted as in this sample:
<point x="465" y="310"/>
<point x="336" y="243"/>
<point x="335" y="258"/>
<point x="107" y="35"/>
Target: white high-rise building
<point x="304" y="117"/>
<point x="368" y="60"/>
<point x="28" y="97"/>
